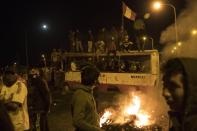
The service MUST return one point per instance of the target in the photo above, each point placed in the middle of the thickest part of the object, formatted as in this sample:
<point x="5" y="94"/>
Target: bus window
<point x="136" y="64"/>
<point x="133" y="70"/>
<point x="108" y="63"/>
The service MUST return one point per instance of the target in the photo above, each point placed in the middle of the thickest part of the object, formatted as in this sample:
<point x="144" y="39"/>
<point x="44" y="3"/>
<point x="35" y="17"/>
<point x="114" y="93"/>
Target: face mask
<point x="9" y="79"/>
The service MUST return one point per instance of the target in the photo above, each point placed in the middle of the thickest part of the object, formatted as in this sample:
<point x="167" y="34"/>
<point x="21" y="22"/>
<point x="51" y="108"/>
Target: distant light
<point x="194" y="32"/>
<point x="175" y="48"/>
<point x="44" y="27"/>
<point x="147" y="15"/>
<point x="179" y="43"/>
<point x="144" y="38"/>
<point x="172" y="51"/>
<point x="157" y="5"/>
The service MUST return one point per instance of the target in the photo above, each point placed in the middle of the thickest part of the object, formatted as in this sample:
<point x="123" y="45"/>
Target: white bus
<point x="126" y="71"/>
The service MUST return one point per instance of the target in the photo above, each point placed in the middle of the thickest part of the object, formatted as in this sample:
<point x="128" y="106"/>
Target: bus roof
<point x="79" y="54"/>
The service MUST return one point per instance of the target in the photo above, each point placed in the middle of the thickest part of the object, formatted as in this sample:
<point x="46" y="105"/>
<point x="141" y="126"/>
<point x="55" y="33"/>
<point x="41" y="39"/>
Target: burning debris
<point x="131" y="117"/>
<point x="105" y="118"/>
<point x="127" y="127"/>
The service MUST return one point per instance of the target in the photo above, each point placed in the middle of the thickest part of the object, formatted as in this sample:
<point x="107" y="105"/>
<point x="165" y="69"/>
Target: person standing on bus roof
<point x="83" y="105"/>
<point x="111" y="47"/>
<point x="180" y="92"/>
<point x="54" y="58"/>
<point x="78" y="39"/>
<point x="90" y="42"/>
<point x="72" y="43"/>
<point x="126" y="45"/>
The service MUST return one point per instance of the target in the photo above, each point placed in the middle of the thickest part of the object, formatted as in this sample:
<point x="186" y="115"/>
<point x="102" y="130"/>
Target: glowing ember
<point x="132" y="114"/>
<point x="105" y="118"/>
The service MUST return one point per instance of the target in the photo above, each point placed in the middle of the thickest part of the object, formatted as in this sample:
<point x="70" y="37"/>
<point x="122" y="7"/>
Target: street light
<point x="175" y="48"/>
<point x="152" y="40"/>
<point x="194" y="32"/>
<point x="157" y="5"/>
<point x="179" y="43"/>
<point x="144" y="39"/>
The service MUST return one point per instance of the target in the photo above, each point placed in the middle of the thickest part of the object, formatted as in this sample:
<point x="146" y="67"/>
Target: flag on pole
<point x="127" y="12"/>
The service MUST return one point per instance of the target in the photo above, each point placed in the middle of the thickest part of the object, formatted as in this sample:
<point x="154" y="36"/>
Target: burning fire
<point x="132" y="114"/>
<point x="105" y="117"/>
<point x="134" y="109"/>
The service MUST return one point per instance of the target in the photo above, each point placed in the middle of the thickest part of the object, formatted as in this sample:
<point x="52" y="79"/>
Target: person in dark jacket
<point x="83" y="106"/>
<point x="180" y="92"/>
<point x="5" y="121"/>
<point x="40" y="100"/>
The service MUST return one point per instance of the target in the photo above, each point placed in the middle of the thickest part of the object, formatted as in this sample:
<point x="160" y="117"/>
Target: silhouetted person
<point x="72" y="43"/>
<point x="90" y="41"/>
<point x="5" y="122"/>
<point x="83" y="107"/>
<point x="41" y="100"/>
<point x="126" y="44"/>
<point x="54" y="58"/>
<point x="78" y="41"/>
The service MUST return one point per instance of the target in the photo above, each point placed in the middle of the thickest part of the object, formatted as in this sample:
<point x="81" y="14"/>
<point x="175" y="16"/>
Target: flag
<point x="127" y="12"/>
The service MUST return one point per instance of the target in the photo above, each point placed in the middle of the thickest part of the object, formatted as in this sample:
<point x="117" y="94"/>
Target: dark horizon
<point x="18" y="18"/>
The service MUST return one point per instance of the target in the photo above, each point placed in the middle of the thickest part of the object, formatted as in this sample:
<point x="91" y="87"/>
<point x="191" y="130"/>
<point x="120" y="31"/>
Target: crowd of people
<point x="102" y="42"/>
<point x="21" y="112"/>
<point x="105" y="41"/>
<point x="25" y="97"/>
<point x="26" y="101"/>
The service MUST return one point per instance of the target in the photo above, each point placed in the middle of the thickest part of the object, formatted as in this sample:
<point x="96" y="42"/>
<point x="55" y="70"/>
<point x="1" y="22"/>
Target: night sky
<point x="26" y="17"/>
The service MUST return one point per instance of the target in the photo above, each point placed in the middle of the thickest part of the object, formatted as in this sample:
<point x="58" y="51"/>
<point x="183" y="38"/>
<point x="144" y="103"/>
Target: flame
<point x="143" y="120"/>
<point x="105" y="118"/>
<point x="134" y="107"/>
<point x="132" y="113"/>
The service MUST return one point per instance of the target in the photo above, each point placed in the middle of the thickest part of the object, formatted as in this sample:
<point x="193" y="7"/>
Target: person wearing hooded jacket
<point x="180" y="92"/>
<point x="83" y="106"/>
<point x="40" y="100"/>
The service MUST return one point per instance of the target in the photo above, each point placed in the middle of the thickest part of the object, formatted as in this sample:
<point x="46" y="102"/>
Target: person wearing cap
<point x="83" y="105"/>
<point x="14" y="97"/>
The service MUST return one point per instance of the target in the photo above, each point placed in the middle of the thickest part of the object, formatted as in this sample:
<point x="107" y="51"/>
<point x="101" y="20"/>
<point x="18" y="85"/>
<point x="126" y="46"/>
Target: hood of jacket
<point x="85" y="88"/>
<point x="190" y="68"/>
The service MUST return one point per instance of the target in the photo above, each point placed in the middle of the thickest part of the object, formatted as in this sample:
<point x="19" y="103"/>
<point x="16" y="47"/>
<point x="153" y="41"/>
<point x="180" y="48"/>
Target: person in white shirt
<point x="14" y="97"/>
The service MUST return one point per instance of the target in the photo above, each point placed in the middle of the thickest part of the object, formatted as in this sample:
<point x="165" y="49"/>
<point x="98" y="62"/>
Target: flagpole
<point x="122" y="22"/>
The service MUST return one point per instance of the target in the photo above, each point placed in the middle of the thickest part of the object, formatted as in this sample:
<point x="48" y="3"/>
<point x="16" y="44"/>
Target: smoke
<point x="186" y="22"/>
